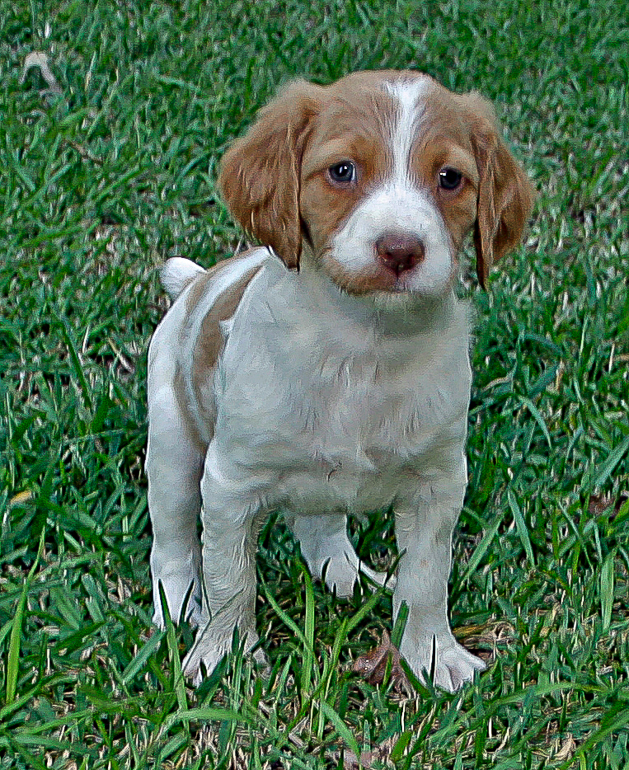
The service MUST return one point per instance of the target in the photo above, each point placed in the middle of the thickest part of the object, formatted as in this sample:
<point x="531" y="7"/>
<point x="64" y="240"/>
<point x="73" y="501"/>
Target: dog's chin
<point x="395" y="300"/>
<point x="386" y="290"/>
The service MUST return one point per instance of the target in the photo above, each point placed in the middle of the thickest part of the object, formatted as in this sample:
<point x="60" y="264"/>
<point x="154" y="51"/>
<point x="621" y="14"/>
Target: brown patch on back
<point x="202" y="281"/>
<point x="210" y="343"/>
<point x="199" y="287"/>
<point x="179" y="385"/>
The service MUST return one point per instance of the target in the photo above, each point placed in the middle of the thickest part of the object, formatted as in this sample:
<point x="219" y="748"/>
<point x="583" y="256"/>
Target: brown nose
<point x="399" y="253"/>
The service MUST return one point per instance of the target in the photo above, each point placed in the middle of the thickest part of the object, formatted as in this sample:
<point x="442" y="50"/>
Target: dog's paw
<point x="342" y="571"/>
<point x="186" y="608"/>
<point x="453" y="666"/>
<point x="210" y="647"/>
<point x="204" y="655"/>
<point x="176" y="582"/>
<point x="379" y="578"/>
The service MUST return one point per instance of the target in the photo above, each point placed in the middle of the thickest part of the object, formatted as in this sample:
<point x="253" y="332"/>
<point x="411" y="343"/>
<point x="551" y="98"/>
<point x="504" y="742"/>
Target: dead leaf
<point x="378" y="754"/>
<point x="350" y="761"/>
<point x="601" y="503"/>
<point x="490" y="634"/>
<point x="373" y="665"/>
<point x="567" y="749"/>
<point x="21" y="497"/>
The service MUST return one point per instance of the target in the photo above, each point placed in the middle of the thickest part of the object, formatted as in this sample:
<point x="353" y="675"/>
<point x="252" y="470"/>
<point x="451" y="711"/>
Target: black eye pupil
<point x="449" y="178"/>
<point x="342" y="172"/>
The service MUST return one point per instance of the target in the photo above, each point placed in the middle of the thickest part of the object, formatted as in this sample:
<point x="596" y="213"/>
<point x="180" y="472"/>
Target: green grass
<point x="100" y="183"/>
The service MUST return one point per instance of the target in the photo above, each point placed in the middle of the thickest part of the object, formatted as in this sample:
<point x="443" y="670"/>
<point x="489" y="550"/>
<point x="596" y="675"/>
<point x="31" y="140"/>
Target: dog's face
<point x="378" y="177"/>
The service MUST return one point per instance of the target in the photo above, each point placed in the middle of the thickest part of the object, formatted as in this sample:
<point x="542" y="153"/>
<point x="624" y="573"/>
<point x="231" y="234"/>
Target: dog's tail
<point x="177" y="273"/>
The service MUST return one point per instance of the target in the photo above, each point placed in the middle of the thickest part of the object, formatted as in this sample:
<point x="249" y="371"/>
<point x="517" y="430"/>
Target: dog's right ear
<point x="260" y="173"/>
<point x="505" y="195"/>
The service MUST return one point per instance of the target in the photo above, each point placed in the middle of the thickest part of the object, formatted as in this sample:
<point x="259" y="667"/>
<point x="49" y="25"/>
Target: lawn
<point x="108" y="166"/>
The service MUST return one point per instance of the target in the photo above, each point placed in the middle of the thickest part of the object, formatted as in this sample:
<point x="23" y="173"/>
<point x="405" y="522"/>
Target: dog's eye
<point x="343" y="172"/>
<point x="450" y="178"/>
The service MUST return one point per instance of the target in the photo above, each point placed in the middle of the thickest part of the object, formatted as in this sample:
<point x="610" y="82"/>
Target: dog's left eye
<point x="450" y="178"/>
<point x="343" y="172"/>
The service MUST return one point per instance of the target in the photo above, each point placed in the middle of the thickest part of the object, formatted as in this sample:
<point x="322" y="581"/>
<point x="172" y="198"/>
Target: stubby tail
<point x="176" y="274"/>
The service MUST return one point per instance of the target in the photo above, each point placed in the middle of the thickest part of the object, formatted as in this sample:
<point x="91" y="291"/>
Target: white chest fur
<point x="335" y="410"/>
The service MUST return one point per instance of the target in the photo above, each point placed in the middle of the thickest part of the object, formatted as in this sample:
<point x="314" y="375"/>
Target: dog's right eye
<point x="343" y="172"/>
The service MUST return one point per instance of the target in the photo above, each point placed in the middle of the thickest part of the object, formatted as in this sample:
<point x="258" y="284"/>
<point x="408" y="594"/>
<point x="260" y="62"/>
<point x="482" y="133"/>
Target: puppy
<point x="326" y="372"/>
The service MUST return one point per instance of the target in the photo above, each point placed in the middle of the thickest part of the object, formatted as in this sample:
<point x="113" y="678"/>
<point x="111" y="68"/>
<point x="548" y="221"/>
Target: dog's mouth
<point x="374" y="276"/>
<point x="387" y="280"/>
<point x="379" y="281"/>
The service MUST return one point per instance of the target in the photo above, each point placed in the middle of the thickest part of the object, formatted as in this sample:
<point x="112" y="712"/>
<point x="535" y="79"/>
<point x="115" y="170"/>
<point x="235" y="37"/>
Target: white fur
<point x="172" y="465"/>
<point x="411" y="98"/>
<point x="325" y="404"/>
<point x="413" y="213"/>
<point x="177" y="273"/>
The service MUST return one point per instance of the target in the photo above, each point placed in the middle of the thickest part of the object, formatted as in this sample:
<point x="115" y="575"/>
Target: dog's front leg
<point x="424" y="525"/>
<point x="232" y="516"/>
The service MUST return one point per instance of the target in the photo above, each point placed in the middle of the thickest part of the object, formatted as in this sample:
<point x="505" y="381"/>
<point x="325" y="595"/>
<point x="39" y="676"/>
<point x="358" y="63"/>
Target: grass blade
<point x="607" y="590"/>
<point x="68" y="336"/>
<point x="604" y="471"/>
<point x="537" y="416"/>
<point x="284" y="617"/>
<point x="482" y="548"/>
<point x="309" y="631"/>
<point x="521" y="527"/>
<point x="341" y="728"/>
<point x="204" y="714"/>
<point x="179" y="684"/>
<point x="143" y="655"/>
<point x="13" y="655"/>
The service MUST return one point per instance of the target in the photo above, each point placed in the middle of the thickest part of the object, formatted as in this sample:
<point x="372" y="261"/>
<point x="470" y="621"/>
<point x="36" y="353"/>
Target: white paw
<point x="341" y="574"/>
<point x="379" y="578"/>
<point x="453" y="666"/>
<point x="210" y="647"/>
<point x="183" y="603"/>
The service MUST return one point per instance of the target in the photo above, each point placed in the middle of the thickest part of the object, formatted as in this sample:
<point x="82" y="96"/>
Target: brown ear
<point x="259" y="177"/>
<point x="505" y="194"/>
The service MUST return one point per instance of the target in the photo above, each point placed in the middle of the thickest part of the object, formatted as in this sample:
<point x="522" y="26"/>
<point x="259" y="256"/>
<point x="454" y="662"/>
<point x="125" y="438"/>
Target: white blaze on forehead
<point x="400" y="204"/>
<point x="410" y="96"/>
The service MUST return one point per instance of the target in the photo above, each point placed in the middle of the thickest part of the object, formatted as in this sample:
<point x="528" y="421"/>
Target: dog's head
<point x="379" y="176"/>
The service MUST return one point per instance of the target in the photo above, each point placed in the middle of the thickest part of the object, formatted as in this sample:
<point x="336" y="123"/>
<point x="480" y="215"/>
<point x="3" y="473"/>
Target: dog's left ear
<point x="505" y="194"/>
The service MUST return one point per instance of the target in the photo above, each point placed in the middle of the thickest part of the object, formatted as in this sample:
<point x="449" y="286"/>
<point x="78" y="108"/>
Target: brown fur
<point x="191" y="429"/>
<point x="344" y="131"/>
<point x="505" y="194"/>
<point x="210" y="340"/>
<point x="259" y="177"/>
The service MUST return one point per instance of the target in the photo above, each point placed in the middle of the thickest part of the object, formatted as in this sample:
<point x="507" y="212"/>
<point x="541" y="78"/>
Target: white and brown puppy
<point x="326" y="373"/>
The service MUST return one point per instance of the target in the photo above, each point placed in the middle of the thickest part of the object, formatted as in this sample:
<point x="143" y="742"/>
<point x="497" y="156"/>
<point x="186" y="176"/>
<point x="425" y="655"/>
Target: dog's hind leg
<point x="174" y="463"/>
<point x="329" y="553"/>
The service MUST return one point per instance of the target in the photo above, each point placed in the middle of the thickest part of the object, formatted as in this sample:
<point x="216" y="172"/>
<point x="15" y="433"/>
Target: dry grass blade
<point x="39" y="60"/>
